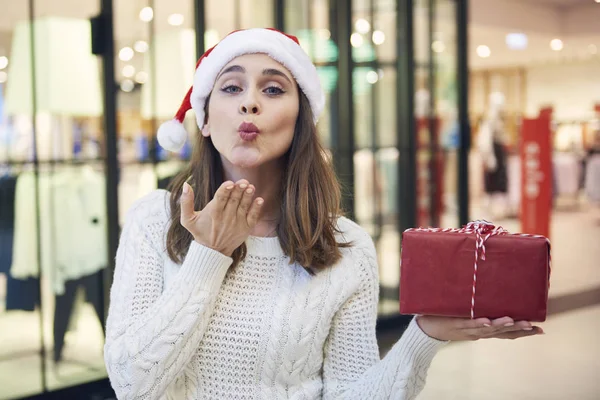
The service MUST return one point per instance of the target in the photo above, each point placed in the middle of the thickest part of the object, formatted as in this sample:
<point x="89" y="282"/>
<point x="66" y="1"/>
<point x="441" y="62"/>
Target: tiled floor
<point x="563" y="364"/>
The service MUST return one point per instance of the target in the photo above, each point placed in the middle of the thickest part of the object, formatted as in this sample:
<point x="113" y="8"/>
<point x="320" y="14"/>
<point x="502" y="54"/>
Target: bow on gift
<point x="483" y="231"/>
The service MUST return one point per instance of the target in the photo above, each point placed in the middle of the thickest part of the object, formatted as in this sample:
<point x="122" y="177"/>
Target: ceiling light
<point x="372" y="77"/>
<point x="3" y="62"/>
<point x="356" y="40"/>
<point x="175" y="19"/>
<point x="126" y="54"/>
<point x="438" y="46"/>
<point x="483" y="51"/>
<point x="141" y="77"/>
<point x="362" y="26"/>
<point x="141" y="46"/>
<point x="3" y="76"/>
<point x="516" y="41"/>
<point x="324" y="34"/>
<point x="593" y="49"/>
<point x="147" y="14"/>
<point x="127" y="85"/>
<point x="128" y="71"/>
<point x="378" y="37"/>
<point x="556" y="44"/>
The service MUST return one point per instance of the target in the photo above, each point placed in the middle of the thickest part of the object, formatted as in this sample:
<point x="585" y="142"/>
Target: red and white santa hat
<point x="279" y="46"/>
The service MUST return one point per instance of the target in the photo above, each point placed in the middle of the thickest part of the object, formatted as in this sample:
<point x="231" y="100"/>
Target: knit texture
<point x="263" y="330"/>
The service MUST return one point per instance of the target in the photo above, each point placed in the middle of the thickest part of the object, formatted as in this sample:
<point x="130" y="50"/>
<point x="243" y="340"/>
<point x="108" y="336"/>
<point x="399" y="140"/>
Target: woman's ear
<point x="205" y="130"/>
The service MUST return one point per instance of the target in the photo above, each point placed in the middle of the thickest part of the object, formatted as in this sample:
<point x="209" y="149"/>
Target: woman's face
<point x="252" y="111"/>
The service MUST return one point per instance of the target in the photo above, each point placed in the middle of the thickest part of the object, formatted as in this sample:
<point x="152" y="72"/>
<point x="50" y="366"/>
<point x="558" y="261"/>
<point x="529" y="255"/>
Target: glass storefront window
<point x="57" y="304"/>
<point x="19" y="295"/>
<point x="446" y="109"/>
<point x="55" y="255"/>
<point x="309" y="21"/>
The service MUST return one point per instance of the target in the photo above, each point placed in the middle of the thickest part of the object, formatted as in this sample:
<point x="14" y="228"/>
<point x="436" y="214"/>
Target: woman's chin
<point x="245" y="158"/>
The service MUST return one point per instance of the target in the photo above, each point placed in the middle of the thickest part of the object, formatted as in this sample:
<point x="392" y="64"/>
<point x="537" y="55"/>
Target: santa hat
<point x="279" y="46"/>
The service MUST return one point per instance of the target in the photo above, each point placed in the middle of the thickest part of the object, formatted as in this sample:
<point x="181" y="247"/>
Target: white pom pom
<point x="172" y="135"/>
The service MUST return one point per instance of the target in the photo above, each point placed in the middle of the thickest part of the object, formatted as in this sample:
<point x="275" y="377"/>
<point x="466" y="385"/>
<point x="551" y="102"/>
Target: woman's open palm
<point x="226" y="221"/>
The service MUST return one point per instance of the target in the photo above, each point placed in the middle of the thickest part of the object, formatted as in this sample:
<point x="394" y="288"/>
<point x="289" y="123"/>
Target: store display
<point x="509" y="275"/>
<point x="536" y="174"/>
<point x="592" y="179"/>
<point x="567" y="174"/>
<point x="492" y="146"/>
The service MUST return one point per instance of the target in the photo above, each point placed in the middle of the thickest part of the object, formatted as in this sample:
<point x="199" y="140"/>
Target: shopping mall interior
<point x="429" y="106"/>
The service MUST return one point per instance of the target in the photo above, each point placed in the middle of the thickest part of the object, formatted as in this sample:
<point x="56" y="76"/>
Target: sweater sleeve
<point x="153" y="333"/>
<point x="352" y="368"/>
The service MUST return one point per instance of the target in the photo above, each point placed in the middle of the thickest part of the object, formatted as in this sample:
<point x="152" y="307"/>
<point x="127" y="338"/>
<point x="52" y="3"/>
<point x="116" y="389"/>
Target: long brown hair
<point x="310" y="197"/>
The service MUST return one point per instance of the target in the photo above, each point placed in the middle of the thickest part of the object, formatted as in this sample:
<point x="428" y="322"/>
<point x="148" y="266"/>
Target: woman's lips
<point x="248" y="136"/>
<point x="248" y="131"/>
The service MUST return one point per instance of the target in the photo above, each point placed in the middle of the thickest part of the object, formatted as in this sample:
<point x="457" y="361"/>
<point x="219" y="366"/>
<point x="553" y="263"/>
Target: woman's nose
<point x="249" y="105"/>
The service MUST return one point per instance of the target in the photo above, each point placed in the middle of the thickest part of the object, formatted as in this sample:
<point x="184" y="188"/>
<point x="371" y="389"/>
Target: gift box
<point x="477" y="271"/>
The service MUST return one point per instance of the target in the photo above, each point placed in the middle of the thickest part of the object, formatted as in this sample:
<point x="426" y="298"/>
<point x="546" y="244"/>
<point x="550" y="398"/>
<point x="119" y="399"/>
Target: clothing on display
<point x="21" y="294"/>
<point x="592" y="178"/>
<point x="567" y="172"/>
<point x="493" y="152"/>
<point x="7" y="219"/>
<point x="72" y="250"/>
<point x="71" y="208"/>
<point x="64" y="306"/>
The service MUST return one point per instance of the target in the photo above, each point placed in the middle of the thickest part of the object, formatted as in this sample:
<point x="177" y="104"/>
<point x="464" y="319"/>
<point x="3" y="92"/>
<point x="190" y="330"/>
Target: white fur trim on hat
<point x="172" y="135"/>
<point x="251" y="41"/>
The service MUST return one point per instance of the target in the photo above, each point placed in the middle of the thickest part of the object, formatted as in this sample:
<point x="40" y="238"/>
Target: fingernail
<point x="229" y="187"/>
<point x="260" y="201"/>
<point x="186" y="188"/>
<point x="249" y="190"/>
<point x="509" y="324"/>
<point x="243" y="186"/>
<point x="487" y="325"/>
<point x="528" y="328"/>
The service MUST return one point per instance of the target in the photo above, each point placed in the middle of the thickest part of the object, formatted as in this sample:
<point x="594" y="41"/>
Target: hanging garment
<point x="8" y="186"/>
<point x="72" y="226"/>
<point x="592" y="178"/>
<point x="496" y="179"/>
<point x="80" y="225"/>
<point x="31" y="192"/>
<point x="567" y="170"/>
<point x="20" y="294"/>
<point x="64" y="306"/>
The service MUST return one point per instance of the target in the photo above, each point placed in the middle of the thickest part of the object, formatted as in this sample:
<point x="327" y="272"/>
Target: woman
<point x="245" y="282"/>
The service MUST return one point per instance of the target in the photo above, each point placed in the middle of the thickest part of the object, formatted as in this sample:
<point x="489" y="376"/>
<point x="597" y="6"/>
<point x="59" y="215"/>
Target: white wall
<point x="572" y="89"/>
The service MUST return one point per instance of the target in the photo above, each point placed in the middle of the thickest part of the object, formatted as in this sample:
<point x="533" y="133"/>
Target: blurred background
<point x="438" y="112"/>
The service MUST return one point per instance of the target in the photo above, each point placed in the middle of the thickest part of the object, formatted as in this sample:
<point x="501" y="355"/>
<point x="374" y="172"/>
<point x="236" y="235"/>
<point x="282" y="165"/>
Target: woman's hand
<point x="226" y="221"/>
<point x="449" y="328"/>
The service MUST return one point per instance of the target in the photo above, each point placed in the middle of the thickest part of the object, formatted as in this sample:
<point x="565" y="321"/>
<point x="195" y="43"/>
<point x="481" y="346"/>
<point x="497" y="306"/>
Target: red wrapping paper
<point x="437" y="275"/>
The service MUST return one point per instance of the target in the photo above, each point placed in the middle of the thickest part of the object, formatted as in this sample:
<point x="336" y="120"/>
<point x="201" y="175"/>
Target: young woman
<point x="245" y="282"/>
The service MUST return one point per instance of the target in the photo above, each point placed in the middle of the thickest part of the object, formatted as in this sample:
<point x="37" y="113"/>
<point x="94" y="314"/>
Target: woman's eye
<point x="232" y="89"/>
<point x="273" y="90"/>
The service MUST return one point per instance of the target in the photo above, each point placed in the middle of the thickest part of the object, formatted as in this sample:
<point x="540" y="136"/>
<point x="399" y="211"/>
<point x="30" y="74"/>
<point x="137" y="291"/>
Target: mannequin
<point x="492" y="147"/>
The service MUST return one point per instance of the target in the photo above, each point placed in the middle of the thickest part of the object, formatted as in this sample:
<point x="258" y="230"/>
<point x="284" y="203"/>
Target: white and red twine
<point x="483" y="230"/>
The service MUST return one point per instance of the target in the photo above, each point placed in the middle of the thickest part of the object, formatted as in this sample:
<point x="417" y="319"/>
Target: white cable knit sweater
<point x="264" y="330"/>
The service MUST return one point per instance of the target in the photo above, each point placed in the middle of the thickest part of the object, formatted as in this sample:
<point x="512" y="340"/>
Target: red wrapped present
<point x="477" y="271"/>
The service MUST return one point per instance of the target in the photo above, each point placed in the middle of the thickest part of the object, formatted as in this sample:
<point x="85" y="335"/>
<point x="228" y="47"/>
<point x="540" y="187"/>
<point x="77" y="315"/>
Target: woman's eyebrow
<point x="233" y="68"/>
<point x="276" y="72"/>
<point x="267" y="71"/>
